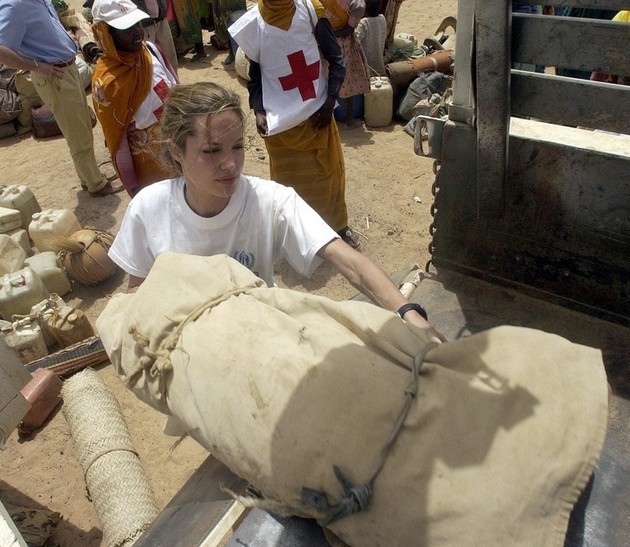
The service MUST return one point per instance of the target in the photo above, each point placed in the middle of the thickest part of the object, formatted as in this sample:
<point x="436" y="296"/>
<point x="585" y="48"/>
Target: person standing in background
<point x="225" y="13"/>
<point x="157" y="29"/>
<point x="390" y="9"/>
<point x="344" y="16"/>
<point x="293" y="93"/>
<point x="33" y="38"/>
<point x="130" y="83"/>
<point x="188" y="15"/>
<point x="370" y="33"/>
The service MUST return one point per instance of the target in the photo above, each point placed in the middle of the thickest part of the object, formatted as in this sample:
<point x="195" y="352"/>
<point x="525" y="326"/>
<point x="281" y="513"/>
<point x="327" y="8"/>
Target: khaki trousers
<point x="66" y="98"/>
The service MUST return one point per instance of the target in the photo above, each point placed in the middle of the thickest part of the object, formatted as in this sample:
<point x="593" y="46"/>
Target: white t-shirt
<point x="262" y="222"/>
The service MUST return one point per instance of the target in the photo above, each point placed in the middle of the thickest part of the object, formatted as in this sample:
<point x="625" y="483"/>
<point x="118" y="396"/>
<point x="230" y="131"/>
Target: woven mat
<point x="67" y="361"/>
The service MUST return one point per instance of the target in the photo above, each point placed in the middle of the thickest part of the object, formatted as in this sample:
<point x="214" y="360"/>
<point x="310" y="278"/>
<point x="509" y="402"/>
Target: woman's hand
<point x="261" y="123"/>
<point x="373" y="282"/>
<point x="415" y="318"/>
<point x="98" y="93"/>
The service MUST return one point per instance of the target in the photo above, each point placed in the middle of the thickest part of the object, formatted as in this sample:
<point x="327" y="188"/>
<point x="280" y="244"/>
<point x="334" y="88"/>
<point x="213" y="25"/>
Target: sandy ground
<point x="389" y="197"/>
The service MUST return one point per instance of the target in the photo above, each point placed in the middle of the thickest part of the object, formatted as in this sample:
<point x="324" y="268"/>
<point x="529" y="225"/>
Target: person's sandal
<point x="108" y="190"/>
<point x="108" y="178"/>
<point x="349" y="237"/>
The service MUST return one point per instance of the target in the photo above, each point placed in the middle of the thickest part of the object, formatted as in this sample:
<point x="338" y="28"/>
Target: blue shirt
<point x="523" y="7"/>
<point x="32" y="29"/>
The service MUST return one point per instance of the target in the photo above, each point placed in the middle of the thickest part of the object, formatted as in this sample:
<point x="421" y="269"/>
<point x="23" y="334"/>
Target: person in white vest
<point x="296" y="71"/>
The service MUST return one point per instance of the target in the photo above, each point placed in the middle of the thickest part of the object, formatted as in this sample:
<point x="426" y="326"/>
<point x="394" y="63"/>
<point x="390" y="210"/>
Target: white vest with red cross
<point x="293" y="80"/>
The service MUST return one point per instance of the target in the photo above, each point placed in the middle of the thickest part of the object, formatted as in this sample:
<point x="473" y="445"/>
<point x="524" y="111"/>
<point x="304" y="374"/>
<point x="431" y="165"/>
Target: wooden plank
<point x="571" y="42"/>
<point x="200" y="514"/>
<point x="224" y="527"/>
<point x="584" y="103"/>
<point x="493" y="72"/>
<point x="9" y="534"/>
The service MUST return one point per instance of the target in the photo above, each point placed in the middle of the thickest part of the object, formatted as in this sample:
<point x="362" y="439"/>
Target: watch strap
<point x="412" y="306"/>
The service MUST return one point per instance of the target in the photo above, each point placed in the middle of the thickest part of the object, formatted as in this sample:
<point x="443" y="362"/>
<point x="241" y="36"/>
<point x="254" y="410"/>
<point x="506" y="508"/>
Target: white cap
<point x="120" y="14"/>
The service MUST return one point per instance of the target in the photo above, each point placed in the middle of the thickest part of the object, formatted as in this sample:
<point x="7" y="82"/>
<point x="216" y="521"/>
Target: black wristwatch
<point x="412" y="306"/>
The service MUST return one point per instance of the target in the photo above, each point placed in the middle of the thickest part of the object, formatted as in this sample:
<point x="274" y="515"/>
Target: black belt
<point x="151" y="21"/>
<point x="63" y="65"/>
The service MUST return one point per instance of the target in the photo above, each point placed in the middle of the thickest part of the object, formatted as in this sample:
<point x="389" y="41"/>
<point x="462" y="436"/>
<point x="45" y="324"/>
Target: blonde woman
<point x="210" y="207"/>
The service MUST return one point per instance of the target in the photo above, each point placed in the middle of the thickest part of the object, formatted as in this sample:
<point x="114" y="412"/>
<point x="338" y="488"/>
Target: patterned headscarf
<point x="337" y="12"/>
<point x="125" y="79"/>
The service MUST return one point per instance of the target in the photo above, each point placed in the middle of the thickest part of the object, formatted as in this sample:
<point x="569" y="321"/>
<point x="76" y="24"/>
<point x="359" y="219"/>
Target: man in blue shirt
<point x="32" y="38"/>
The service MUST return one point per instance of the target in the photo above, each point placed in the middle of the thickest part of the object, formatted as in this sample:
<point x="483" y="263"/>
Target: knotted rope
<point x="158" y="362"/>
<point x="357" y="497"/>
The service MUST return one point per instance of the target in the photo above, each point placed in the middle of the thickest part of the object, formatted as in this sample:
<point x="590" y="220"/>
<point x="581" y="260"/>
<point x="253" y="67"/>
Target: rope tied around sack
<point x="157" y="362"/>
<point x="357" y="497"/>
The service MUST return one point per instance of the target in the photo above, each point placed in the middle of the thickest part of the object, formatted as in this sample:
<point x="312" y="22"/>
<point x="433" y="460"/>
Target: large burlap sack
<point x="498" y="442"/>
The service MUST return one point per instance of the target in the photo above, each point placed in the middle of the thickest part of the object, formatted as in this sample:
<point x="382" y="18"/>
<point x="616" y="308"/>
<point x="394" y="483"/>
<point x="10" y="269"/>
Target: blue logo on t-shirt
<point x="245" y="258"/>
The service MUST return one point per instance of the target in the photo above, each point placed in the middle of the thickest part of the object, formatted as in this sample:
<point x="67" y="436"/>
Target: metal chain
<point x="432" y="228"/>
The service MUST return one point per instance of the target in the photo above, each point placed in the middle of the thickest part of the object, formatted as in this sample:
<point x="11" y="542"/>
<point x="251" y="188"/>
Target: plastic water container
<point x="51" y="224"/>
<point x="404" y="38"/>
<point x="20" y="291"/>
<point x="43" y="393"/>
<point x="70" y="326"/>
<point x="340" y="113"/>
<point x="46" y="265"/>
<point x="379" y="102"/>
<point x="20" y="197"/>
<point x="20" y="235"/>
<point x="46" y="311"/>
<point x="12" y="255"/>
<point x="25" y="338"/>
<point x="10" y="219"/>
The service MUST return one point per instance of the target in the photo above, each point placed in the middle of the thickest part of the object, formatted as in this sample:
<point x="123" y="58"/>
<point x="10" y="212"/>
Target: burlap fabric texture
<point x="501" y="437"/>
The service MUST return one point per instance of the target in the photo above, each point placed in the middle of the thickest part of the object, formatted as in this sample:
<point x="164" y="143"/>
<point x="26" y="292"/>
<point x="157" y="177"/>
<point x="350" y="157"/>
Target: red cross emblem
<point x="301" y="77"/>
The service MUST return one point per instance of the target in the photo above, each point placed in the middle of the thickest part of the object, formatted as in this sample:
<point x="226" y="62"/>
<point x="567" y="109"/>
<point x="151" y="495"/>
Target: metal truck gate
<point x="532" y="184"/>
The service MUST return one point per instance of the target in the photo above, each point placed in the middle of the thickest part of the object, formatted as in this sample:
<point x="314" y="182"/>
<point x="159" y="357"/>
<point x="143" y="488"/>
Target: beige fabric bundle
<point x="281" y="386"/>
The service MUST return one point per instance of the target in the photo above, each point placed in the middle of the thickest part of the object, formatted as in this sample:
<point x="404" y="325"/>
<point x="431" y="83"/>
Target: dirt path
<point x="388" y="194"/>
